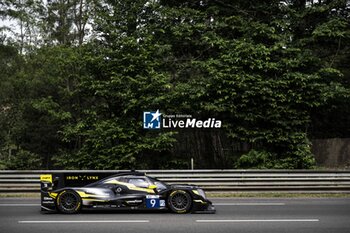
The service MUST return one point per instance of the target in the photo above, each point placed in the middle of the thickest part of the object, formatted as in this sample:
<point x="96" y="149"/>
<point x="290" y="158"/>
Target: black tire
<point x="180" y="201"/>
<point x="68" y="202"/>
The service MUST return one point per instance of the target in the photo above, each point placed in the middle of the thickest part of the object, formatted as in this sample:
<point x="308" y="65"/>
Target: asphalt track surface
<point x="233" y="215"/>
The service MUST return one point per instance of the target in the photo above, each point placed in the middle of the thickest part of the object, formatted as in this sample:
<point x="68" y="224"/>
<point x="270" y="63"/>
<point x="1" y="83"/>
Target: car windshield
<point x="138" y="182"/>
<point x="160" y="185"/>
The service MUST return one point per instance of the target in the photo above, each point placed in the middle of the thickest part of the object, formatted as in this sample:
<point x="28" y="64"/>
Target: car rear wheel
<point x="180" y="201"/>
<point x="69" y="202"/>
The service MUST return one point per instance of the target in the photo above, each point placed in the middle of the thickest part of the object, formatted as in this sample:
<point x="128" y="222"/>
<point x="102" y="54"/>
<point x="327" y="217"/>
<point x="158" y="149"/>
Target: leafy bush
<point x="24" y="160"/>
<point x="255" y="159"/>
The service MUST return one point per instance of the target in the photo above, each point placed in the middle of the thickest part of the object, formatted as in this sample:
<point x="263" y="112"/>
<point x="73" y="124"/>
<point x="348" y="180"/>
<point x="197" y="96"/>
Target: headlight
<point x="200" y="192"/>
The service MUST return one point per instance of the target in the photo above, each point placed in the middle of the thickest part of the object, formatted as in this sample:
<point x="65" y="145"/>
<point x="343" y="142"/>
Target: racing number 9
<point x="153" y="202"/>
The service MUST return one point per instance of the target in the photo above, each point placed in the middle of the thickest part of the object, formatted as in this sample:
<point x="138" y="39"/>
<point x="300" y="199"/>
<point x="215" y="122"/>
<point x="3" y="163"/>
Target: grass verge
<point x="20" y="195"/>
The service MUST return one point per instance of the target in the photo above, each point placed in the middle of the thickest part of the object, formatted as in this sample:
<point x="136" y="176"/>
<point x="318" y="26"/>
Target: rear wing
<point x="52" y="182"/>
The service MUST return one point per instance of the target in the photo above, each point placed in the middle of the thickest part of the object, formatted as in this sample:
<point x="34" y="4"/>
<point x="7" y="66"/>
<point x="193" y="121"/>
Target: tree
<point x="73" y="91"/>
<point x="251" y="66"/>
<point x="124" y="80"/>
<point x="67" y="21"/>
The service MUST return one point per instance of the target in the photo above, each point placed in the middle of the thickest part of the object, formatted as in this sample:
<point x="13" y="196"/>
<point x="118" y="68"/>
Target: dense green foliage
<point x="76" y="80"/>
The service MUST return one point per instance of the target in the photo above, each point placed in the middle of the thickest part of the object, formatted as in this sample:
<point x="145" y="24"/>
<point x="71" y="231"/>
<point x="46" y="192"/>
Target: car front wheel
<point x="180" y="201"/>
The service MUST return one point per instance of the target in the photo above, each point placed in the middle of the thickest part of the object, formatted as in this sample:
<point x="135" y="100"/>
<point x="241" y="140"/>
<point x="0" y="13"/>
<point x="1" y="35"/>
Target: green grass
<point x="22" y="195"/>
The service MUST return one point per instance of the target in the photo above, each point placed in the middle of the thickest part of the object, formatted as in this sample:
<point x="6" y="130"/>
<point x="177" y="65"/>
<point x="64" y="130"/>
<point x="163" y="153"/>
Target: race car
<point x="69" y="193"/>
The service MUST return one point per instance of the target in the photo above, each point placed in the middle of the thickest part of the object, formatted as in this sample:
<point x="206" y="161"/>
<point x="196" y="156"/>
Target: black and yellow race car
<point x="70" y="193"/>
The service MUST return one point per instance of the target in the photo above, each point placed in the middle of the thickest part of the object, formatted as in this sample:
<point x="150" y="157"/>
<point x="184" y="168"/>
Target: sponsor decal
<point x="152" y="201"/>
<point x="48" y="202"/>
<point x="46" y="177"/>
<point x="82" y="177"/>
<point x="134" y="201"/>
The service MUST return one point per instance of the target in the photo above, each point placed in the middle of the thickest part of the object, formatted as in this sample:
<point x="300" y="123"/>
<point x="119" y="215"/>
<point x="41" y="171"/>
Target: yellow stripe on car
<point x="83" y="194"/>
<point x="53" y="195"/>
<point x="131" y="186"/>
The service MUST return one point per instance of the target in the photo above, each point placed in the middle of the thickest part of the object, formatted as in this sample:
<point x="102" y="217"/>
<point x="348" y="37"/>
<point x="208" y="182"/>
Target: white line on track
<point x="249" y="203"/>
<point x="255" y="220"/>
<point x="21" y="205"/>
<point x="89" y="221"/>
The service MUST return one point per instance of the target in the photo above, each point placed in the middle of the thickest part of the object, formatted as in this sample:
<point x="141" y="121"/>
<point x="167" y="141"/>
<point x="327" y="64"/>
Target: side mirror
<point x="152" y="186"/>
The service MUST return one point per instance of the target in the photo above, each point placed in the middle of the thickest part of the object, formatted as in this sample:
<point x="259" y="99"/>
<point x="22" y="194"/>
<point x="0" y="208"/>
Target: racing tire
<point x="180" y="201"/>
<point x="68" y="202"/>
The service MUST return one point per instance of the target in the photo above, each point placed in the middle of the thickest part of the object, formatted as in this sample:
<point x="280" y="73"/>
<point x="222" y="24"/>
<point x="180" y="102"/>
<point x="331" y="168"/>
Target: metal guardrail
<point x="210" y="180"/>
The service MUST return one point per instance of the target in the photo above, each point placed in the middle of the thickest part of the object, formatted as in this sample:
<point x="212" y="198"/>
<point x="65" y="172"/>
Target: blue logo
<point x="151" y="120"/>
